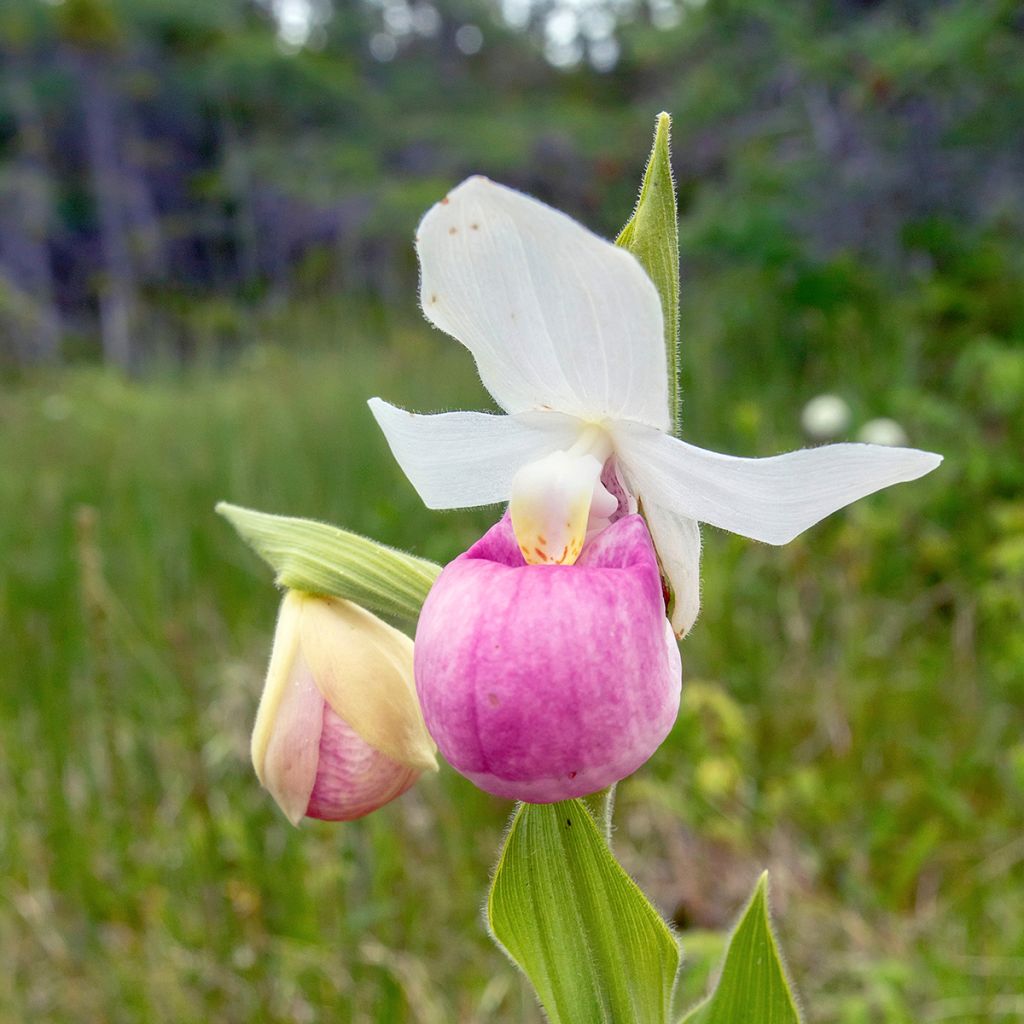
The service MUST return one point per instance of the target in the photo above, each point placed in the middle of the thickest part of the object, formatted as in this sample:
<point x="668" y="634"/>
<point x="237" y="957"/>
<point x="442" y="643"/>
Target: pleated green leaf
<point x="753" y="986"/>
<point x="576" y="924"/>
<point x="652" y="236"/>
<point x="322" y="559"/>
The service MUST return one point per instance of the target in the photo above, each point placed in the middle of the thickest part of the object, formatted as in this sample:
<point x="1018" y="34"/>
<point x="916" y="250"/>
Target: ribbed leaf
<point x="652" y="236"/>
<point x="576" y="924"/>
<point x="322" y="559"/>
<point x="753" y="986"/>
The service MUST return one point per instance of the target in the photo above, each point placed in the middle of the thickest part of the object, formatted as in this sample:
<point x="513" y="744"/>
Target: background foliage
<point x="219" y="199"/>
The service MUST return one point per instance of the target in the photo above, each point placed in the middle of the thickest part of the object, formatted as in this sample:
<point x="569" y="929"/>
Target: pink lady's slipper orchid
<point x="544" y="661"/>
<point x="339" y="731"/>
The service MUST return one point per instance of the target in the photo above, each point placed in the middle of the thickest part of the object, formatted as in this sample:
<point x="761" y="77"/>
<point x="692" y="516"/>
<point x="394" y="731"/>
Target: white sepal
<point x="556" y="317"/>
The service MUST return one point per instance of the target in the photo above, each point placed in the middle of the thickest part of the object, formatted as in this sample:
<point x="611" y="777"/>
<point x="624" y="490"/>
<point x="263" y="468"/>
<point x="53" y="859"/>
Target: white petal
<point x="556" y="317"/>
<point x="677" y="542"/>
<point x="771" y="499"/>
<point x="462" y="459"/>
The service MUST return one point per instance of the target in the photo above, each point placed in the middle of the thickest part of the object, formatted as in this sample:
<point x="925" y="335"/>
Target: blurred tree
<point x="91" y="44"/>
<point x="159" y="154"/>
<point x="26" y="203"/>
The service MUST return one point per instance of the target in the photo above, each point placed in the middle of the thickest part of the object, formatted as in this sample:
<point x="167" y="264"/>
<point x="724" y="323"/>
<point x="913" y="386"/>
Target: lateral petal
<point x="556" y="317"/>
<point x="463" y="459"/>
<point x="772" y="499"/>
<point x="677" y="542"/>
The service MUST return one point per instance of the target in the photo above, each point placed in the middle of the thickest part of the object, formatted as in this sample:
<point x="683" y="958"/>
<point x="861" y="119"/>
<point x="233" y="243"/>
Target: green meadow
<point x="851" y="714"/>
<point x="206" y="268"/>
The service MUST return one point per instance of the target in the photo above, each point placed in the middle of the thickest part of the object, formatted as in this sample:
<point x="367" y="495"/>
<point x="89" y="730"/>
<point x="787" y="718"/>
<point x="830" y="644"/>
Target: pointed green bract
<point x="322" y="559"/>
<point x="753" y="986"/>
<point x="652" y="236"/>
<point x="577" y="925"/>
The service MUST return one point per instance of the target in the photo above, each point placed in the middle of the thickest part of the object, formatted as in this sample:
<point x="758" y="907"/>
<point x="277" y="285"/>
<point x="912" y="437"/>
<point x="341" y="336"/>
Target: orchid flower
<point x="567" y="333"/>
<point x="545" y="682"/>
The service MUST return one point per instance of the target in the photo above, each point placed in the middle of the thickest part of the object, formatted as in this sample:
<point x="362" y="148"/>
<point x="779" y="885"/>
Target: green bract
<point x="585" y="935"/>
<point x="753" y="986"/>
<point x="652" y="235"/>
<point x="321" y="559"/>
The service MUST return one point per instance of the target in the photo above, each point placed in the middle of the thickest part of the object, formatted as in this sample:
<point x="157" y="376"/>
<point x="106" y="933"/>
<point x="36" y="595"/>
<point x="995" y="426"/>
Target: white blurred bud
<point x="883" y="431"/>
<point x="383" y="46"/>
<point x="469" y="39"/>
<point x="825" y="417"/>
<point x="425" y="20"/>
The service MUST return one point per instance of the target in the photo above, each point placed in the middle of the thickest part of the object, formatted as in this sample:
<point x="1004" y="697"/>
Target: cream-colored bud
<point x="339" y="730"/>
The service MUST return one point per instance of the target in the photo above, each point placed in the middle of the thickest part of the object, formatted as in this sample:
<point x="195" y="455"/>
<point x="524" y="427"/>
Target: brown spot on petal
<point x="572" y="775"/>
<point x="492" y="699"/>
<point x="475" y="227"/>
<point x="453" y="230"/>
<point x="446" y="200"/>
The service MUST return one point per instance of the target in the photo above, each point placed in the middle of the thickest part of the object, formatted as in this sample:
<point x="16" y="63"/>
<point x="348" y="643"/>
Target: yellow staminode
<point x="557" y="499"/>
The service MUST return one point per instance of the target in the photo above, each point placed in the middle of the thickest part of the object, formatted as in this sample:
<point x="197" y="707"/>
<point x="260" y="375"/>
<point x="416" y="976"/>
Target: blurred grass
<point x="851" y="717"/>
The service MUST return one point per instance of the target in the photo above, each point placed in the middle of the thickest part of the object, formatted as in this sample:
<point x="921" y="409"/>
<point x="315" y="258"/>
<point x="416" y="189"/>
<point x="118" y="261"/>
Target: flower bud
<point x="339" y="731"/>
<point x="545" y="682"/>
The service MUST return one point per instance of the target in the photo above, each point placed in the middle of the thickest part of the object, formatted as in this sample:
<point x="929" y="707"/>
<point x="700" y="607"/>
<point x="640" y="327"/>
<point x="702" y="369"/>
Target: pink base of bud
<point x="352" y="778"/>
